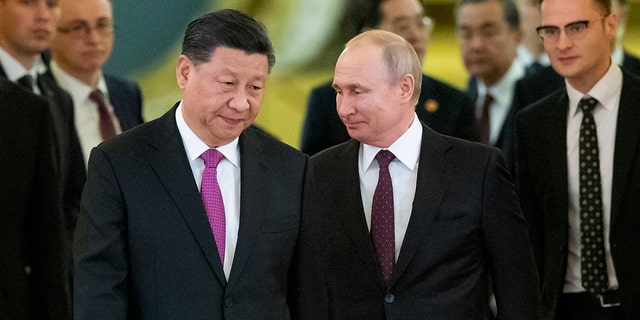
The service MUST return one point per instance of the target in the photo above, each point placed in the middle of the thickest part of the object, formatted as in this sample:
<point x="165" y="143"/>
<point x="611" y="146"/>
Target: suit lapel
<point x="169" y="161"/>
<point x="254" y="170"/>
<point x="627" y="139"/>
<point x="553" y="143"/>
<point x="434" y="171"/>
<point x="350" y="212"/>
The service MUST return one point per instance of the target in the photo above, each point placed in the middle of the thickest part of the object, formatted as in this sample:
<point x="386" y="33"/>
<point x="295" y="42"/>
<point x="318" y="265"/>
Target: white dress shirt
<point x="85" y="110"/>
<point x="607" y="92"/>
<point x="228" y="179"/>
<point x="404" y="176"/>
<point x="502" y="93"/>
<point x="14" y="70"/>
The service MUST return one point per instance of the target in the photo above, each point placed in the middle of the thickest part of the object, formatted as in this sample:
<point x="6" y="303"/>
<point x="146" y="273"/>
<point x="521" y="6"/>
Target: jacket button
<point x="389" y="298"/>
<point x="228" y="302"/>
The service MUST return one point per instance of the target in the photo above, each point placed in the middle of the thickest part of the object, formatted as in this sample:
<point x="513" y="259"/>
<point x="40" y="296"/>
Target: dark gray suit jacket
<point x="465" y="223"/>
<point x="144" y="248"/>
<point x="541" y="135"/>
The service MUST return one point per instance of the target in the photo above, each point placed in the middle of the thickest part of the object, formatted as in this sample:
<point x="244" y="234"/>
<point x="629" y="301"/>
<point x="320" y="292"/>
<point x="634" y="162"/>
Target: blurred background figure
<point x="442" y="107"/>
<point x="489" y="34"/>
<point x="33" y="255"/>
<point x="530" y="51"/>
<point x="104" y="105"/>
<point x="25" y="32"/>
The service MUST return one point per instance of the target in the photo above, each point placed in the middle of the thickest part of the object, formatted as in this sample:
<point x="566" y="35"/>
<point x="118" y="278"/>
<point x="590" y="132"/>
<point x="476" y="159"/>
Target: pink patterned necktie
<point x="212" y="198"/>
<point x="382" y="223"/>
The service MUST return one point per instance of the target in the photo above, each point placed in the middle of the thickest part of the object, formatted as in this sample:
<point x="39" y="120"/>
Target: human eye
<point x="489" y="32"/>
<point x="104" y="25"/>
<point x="227" y="83"/>
<point x="576" y="27"/>
<point x="464" y="34"/>
<point x="75" y="28"/>
<point x="402" y="27"/>
<point x="549" y="31"/>
<point x="256" y="87"/>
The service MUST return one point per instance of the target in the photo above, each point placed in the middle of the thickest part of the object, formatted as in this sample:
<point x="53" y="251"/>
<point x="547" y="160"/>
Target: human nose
<point x="344" y="106"/>
<point x="239" y="101"/>
<point x="44" y="12"/>
<point x="563" y="40"/>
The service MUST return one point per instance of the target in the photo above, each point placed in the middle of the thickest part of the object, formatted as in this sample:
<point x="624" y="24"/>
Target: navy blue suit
<point x="126" y="99"/>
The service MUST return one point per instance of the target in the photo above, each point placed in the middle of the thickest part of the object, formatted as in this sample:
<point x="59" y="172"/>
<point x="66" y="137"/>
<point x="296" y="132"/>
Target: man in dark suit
<point x="164" y="233"/>
<point x="80" y="47"/>
<point x="25" y="32"/>
<point x="34" y="255"/>
<point x="489" y="34"/>
<point x="442" y="107"/>
<point x="415" y="237"/>
<point x="578" y="170"/>
<point x="545" y="81"/>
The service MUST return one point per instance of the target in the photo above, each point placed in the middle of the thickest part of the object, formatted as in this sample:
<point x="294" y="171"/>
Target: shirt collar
<point x="14" y="70"/>
<point x="606" y="91"/>
<point x="406" y="148"/>
<point x="502" y="91"/>
<point x="195" y="147"/>
<point x="79" y="90"/>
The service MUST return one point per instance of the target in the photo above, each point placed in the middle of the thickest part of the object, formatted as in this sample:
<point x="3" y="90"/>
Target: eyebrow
<point x="568" y="24"/>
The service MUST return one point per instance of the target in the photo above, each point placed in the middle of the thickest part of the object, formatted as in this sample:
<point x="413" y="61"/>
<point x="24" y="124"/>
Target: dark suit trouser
<point x="584" y="306"/>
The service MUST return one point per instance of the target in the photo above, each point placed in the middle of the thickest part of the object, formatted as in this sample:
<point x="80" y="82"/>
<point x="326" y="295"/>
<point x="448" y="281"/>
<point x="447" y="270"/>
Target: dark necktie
<point x="107" y="129"/>
<point x="382" y="223"/>
<point x="212" y="198"/>
<point x="485" y="120"/>
<point x="27" y="82"/>
<point x="594" y="267"/>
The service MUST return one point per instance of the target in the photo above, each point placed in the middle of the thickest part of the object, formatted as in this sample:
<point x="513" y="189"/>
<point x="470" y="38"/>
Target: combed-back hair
<point x="226" y="28"/>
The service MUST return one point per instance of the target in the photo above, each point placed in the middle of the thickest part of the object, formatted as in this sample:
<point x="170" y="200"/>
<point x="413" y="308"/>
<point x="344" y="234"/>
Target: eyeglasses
<point x="574" y="30"/>
<point x="81" y="29"/>
<point x="404" y="27"/>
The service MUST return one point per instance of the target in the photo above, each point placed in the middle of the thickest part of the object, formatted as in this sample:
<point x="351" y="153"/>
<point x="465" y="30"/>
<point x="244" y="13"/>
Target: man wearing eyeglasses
<point x="103" y="105"/>
<point x="536" y="85"/>
<point x="578" y="165"/>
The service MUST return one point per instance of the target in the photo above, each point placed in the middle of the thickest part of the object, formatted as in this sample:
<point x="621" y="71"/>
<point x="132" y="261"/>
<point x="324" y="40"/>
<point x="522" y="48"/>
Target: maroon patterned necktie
<point x="212" y="198"/>
<point x="382" y="223"/>
<point x="485" y="120"/>
<point x="107" y="129"/>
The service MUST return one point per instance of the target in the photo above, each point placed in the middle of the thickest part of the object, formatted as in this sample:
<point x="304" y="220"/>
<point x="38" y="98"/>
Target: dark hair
<point x="511" y="15"/>
<point x="226" y="28"/>
<point x="604" y="4"/>
<point x="365" y="14"/>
